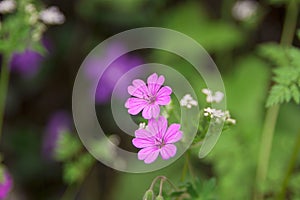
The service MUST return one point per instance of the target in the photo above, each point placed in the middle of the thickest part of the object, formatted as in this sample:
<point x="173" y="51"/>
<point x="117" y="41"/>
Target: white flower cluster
<point x="213" y="97"/>
<point x="7" y="6"/>
<point x="219" y="115"/>
<point x="242" y="10"/>
<point x="188" y="101"/>
<point x="52" y="16"/>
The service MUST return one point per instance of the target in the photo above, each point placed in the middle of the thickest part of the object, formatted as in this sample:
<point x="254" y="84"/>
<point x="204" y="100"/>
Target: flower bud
<point x="148" y="195"/>
<point x="159" y="197"/>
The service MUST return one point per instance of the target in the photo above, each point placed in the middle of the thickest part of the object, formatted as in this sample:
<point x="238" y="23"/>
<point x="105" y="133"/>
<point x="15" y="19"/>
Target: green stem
<point x="161" y="187"/>
<point x="185" y="167"/>
<point x="290" y="23"/>
<point x="272" y="113"/>
<point x="291" y="166"/>
<point x="265" y="148"/>
<point x="4" y="80"/>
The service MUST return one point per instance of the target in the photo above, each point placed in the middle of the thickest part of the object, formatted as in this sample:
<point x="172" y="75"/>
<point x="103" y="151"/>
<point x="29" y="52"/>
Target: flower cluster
<point x="218" y="116"/>
<point x="156" y="138"/>
<point x="7" y="6"/>
<point x="52" y="15"/>
<point x="188" y="101"/>
<point x="213" y="97"/>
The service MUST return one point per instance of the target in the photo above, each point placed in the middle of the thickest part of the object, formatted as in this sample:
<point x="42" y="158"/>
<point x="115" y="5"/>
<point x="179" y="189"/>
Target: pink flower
<point x="148" y="97"/>
<point x="157" y="139"/>
<point x="6" y="185"/>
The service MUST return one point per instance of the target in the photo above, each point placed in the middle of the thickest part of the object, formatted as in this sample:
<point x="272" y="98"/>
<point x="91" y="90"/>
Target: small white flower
<point x="142" y="126"/>
<point x="188" y="101"/>
<point x="210" y="97"/>
<point x="7" y="6"/>
<point x="52" y="16"/>
<point x="243" y="10"/>
<point x="218" y="115"/>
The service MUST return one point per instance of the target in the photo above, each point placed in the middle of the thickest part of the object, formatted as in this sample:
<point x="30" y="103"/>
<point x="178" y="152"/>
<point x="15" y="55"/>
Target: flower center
<point x="160" y="143"/>
<point x="151" y="99"/>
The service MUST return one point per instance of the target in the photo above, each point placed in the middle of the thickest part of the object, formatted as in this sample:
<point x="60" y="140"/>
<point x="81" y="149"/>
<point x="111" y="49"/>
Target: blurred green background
<point x="232" y="41"/>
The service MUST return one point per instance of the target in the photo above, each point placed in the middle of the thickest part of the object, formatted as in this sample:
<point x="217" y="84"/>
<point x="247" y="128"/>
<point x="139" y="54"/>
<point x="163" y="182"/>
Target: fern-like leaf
<point x="278" y="95"/>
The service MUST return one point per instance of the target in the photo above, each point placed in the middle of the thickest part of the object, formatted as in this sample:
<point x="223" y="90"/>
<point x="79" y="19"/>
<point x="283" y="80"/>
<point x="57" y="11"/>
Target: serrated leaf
<point x="278" y="94"/>
<point x="275" y="53"/>
<point x="286" y="75"/>
<point x="295" y="93"/>
<point x="294" y="56"/>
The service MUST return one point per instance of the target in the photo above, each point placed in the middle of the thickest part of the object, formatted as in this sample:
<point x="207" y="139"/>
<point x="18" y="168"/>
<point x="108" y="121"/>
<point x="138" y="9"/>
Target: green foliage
<point x="298" y="34"/>
<point x="286" y="73"/>
<point x="76" y="163"/>
<point x="17" y="33"/>
<point x="75" y="171"/>
<point x="235" y="173"/>
<point x="198" y="190"/>
<point x="212" y="35"/>
<point x="67" y="146"/>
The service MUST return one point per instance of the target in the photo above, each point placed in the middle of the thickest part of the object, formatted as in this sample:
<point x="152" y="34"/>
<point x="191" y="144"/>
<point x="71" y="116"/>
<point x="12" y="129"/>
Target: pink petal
<point x="164" y="100"/>
<point x="168" y="151"/>
<point x="158" y="126"/>
<point x="143" y="133"/>
<point x="173" y="134"/>
<point x="148" y="154"/>
<point x="154" y="83"/>
<point x="143" y="142"/>
<point x="135" y="105"/>
<point x="139" y="89"/>
<point x="151" y="111"/>
<point x="163" y="96"/>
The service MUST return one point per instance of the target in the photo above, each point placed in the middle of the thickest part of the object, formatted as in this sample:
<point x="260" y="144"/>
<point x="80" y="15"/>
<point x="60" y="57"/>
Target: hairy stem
<point x="272" y="113"/>
<point x="4" y="80"/>
<point x="291" y="166"/>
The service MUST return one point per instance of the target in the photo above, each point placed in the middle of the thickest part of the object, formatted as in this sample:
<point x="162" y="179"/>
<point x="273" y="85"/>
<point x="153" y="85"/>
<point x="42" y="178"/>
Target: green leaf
<point x="298" y="34"/>
<point x="72" y="173"/>
<point x="278" y="95"/>
<point x="75" y="171"/>
<point x="275" y="53"/>
<point x="295" y="93"/>
<point x="285" y="75"/>
<point x="294" y="56"/>
<point x="67" y="146"/>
